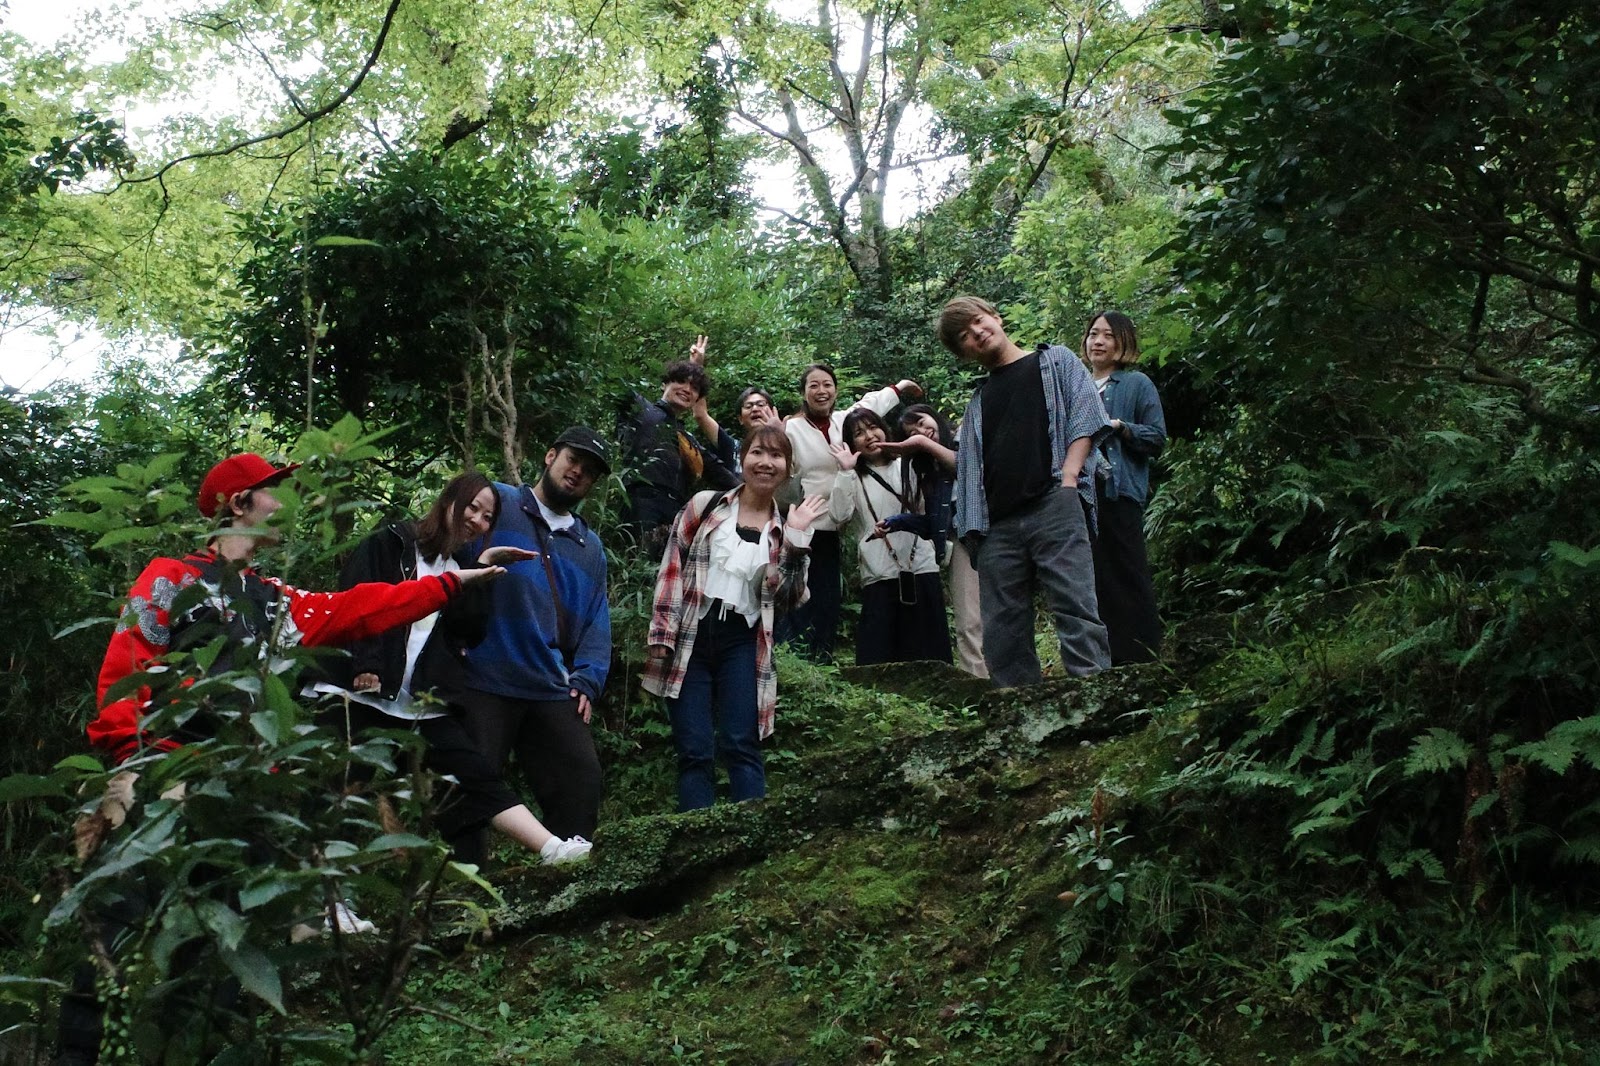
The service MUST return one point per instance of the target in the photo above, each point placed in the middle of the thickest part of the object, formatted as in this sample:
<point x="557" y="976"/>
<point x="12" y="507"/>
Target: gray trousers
<point x="1043" y="547"/>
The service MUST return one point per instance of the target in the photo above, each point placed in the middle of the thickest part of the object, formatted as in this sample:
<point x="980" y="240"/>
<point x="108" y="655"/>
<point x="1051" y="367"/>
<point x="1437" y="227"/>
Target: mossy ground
<point x="1019" y="878"/>
<point x="919" y="922"/>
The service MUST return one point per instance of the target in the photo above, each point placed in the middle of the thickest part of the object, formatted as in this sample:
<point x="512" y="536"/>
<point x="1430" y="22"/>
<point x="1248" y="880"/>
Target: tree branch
<point x="306" y="117"/>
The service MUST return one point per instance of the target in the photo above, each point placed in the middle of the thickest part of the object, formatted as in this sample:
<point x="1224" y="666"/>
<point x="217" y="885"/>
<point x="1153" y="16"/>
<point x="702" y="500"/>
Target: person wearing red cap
<point x="243" y="604"/>
<point x="260" y="616"/>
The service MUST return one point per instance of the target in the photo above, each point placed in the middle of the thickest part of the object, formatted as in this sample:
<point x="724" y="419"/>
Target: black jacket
<point x="390" y="555"/>
<point x="658" y="481"/>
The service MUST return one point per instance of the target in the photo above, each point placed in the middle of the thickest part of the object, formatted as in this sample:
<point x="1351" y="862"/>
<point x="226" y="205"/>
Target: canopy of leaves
<point x="384" y="296"/>
<point x="1368" y="173"/>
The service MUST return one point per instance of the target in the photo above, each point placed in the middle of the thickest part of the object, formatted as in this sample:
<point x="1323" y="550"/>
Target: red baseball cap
<point x="238" y="473"/>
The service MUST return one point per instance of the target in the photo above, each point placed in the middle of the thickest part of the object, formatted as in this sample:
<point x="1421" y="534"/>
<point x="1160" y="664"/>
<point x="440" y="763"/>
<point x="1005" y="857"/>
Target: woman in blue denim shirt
<point x="1139" y="431"/>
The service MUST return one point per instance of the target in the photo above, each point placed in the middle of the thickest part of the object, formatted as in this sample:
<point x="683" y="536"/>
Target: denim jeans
<point x="714" y="714"/>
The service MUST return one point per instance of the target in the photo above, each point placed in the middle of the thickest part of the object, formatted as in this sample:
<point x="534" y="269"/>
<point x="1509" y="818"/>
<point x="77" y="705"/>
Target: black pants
<point x="1122" y="583"/>
<point x="895" y="632"/>
<point x="814" y="625"/>
<point x="554" y="749"/>
<point x="479" y="792"/>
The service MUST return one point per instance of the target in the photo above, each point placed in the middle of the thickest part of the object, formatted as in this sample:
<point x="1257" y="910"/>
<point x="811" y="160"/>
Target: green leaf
<point x="30" y="786"/>
<point x="390" y="841"/>
<point x="1435" y="751"/>
<point x="262" y="892"/>
<point x="82" y="623"/>
<point x="81" y="520"/>
<point x="224" y="922"/>
<point x="337" y="241"/>
<point x="257" y="974"/>
<point x="1304" y="964"/>
<point x="128" y="535"/>
<point x="1573" y="555"/>
<point x="29" y="990"/>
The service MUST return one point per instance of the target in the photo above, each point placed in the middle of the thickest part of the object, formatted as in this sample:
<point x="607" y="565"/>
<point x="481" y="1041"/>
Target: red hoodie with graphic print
<point x="250" y="606"/>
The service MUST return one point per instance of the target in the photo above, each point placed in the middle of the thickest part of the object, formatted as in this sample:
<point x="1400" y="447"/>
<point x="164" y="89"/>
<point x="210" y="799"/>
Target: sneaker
<point x="350" y="923"/>
<point x="557" y="851"/>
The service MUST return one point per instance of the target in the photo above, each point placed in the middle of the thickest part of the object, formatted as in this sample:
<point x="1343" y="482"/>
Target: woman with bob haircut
<point x="1138" y="433"/>
<point x="731" y="564"/>
<point x="405" y="677"/>
<point x="902" y="602"/>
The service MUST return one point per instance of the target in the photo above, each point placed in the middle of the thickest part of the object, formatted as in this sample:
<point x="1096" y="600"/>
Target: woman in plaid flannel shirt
<point x="731" y="563"/>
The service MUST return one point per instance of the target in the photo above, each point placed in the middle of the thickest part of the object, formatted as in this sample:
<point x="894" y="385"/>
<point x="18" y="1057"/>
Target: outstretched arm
<point x="918" y="444"/>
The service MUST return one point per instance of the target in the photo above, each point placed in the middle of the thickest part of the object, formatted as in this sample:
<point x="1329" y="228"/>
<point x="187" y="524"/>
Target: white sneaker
<point x="350" y="923"/>
<point x="557" y="851"/>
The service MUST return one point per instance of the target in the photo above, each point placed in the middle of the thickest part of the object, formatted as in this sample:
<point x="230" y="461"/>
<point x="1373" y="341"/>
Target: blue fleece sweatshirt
<point x="520" y="656"/>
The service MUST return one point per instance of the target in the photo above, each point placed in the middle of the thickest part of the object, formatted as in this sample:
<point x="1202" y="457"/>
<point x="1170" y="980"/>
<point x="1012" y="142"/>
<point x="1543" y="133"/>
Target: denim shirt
<point x="1131" y="397"/>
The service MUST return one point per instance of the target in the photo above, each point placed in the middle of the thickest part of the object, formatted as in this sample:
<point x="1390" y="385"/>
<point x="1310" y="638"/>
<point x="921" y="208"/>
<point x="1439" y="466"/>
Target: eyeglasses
<point x="754" y="405"/>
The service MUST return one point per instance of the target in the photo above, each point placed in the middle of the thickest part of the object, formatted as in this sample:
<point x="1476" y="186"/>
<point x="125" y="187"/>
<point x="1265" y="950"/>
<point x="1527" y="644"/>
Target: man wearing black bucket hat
<point x="534" y="678"/>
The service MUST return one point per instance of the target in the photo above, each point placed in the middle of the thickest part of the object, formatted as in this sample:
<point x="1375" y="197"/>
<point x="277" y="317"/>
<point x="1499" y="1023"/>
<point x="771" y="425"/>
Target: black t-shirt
<point x="1017" y="466"/>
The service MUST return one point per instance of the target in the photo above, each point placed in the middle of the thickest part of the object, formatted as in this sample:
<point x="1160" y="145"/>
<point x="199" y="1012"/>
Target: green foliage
<point x="693" y="169"/>
<point x="655" y="284"/>
<point x="194" y="866"/>
<point x="1470" y="121"/>
<point x="456" y="275"/>
<point x="1077" y="255"/>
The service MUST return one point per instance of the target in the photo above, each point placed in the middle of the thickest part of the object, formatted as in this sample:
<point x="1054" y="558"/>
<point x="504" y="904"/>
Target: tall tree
<point x="1378" y="181"/>
<point x="435" y="298"/>
<point x="857" y="93"/>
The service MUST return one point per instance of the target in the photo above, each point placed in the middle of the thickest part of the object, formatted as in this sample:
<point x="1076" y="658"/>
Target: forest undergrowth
<point x="1302" y="851"/>
<point x="1349" y="821"/>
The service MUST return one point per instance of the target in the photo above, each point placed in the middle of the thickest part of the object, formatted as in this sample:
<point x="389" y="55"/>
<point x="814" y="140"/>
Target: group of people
<point x="1041" y="491"/>
<point x="485" y="625"/>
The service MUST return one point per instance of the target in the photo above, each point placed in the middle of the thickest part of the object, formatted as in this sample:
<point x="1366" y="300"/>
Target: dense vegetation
<point x="1352" y="816"/>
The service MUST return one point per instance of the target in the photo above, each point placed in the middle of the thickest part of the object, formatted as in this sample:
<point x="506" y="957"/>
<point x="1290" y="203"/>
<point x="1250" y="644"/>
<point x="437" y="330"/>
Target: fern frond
<point x="1435" y="751"/>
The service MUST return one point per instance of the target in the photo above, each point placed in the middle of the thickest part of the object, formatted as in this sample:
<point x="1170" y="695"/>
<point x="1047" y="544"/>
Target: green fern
<point x="1435" y="751"/>
<point x="1565" y="743"/>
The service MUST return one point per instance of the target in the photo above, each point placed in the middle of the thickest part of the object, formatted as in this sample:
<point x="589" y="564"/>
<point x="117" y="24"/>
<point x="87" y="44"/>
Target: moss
<point x="897" y="897"/>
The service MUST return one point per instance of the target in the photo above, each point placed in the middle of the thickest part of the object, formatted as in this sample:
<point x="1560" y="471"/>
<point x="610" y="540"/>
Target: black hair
<point x="1122" y="329"/>
<point x="825" y="368"/>
<point x="853" y="420"/>
<point x="690" y="373"/>
<point x="436" y="531"/>
<point x="754" y="390"/>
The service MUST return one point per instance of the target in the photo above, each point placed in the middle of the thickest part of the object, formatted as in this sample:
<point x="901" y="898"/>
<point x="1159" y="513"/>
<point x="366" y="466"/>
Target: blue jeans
<point x="719" y="686"/>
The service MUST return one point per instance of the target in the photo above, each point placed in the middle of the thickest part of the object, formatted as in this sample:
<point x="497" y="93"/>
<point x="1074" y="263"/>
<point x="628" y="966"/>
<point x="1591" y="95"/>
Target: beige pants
<point x="964" y="605"/>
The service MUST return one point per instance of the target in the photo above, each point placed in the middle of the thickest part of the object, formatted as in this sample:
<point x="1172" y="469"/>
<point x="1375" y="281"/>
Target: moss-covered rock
<point x="645" y="864"/>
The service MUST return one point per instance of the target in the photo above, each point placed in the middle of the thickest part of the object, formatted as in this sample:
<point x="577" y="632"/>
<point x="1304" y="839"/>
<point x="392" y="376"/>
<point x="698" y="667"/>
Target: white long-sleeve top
<point x="813" y="463"/>
<point x="879" y="558"/>
<point x="738" y="567"/>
